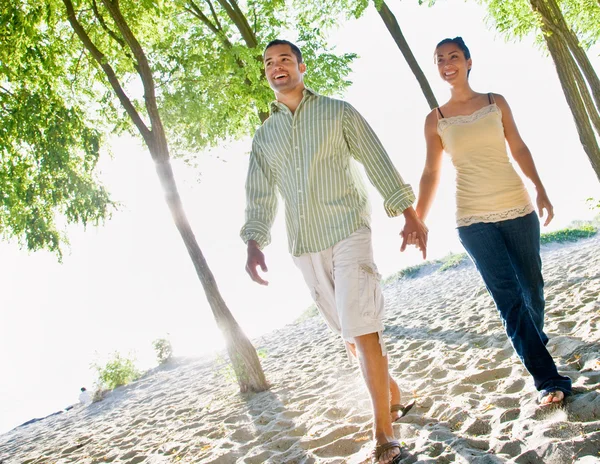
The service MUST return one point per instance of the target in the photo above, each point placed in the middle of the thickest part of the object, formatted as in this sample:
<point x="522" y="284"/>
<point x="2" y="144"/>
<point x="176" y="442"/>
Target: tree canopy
<point x="56" y="105"/>
<point x="49" y="146"/>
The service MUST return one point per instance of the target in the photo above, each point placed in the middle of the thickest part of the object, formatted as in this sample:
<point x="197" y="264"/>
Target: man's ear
<point x="302" y="67"/>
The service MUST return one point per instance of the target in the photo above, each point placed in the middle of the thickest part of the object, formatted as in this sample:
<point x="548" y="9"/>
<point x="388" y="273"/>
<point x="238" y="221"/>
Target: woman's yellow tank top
<point x="488" y="189"/>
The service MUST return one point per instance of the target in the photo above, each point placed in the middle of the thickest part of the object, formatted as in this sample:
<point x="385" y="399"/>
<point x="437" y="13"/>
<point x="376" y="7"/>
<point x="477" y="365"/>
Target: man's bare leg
<point x="374" y="368"/>
<point x="395" y="394"/>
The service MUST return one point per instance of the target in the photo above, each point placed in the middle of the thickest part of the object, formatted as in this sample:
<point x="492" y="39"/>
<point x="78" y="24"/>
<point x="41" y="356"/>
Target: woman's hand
<point x="543" y="203"/>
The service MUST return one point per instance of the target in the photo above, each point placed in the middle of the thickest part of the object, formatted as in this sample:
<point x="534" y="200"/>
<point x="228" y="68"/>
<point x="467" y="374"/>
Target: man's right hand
<point x="255" y="258"/>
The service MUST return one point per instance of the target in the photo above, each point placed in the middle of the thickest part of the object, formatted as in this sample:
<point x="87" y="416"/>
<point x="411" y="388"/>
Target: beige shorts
<point x="345" y="285"/>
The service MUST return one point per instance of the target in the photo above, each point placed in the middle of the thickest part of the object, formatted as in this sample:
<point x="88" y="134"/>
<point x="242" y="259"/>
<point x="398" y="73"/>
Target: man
<point x="304" y="151"/>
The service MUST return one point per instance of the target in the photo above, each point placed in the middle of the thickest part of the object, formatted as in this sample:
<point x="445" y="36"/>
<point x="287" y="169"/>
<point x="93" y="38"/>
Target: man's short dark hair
<point x="295" y="50"/>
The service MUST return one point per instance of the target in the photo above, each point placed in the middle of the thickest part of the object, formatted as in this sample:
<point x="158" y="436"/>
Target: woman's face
<point x="451" y="63"/>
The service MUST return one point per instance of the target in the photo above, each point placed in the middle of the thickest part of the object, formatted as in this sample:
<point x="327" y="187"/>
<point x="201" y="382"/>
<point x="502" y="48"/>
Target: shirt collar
<point x="276" y="106"/>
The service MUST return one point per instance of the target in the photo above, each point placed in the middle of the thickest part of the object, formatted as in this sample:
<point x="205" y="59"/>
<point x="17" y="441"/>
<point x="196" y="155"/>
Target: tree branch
<point x="241" y="23"/>
<point x="108" y="70"/>
<point x="5" y="90"/>
<point x="158" y="145"/>
<point x="216" y="29"/>
<point x="391" y="23"/>
<point x="113" y="34"/>
<point x="108" y="30"/>
<point x="214" y="14"/>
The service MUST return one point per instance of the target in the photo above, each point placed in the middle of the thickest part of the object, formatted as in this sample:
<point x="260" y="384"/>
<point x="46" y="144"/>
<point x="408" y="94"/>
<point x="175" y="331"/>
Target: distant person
<point x="84" y="397"/>
<point x="496" y="219"/>
<point x="306" y="151"/>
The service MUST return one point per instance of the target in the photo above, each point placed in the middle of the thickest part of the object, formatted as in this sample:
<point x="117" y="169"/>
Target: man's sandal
<point x="402" y="409"/>
<point x="380" y="449"/>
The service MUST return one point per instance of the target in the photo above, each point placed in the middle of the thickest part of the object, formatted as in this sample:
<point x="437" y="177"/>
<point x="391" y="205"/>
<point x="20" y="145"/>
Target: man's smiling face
<point x="282" y="68"/>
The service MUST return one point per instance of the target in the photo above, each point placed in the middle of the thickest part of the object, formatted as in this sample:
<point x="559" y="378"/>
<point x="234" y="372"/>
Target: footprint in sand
<point x="489" y="375"/>
<point x="331" y="437"/>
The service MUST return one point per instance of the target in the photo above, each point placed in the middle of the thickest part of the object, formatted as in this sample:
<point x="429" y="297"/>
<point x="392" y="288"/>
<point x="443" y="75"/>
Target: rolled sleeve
<point x="261" y="201"/>
<point x="399" y="201"/>
<point x="366" y="148"/>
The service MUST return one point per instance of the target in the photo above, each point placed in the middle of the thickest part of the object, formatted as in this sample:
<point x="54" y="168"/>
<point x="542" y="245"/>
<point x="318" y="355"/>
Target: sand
<point x="448" y="350"/>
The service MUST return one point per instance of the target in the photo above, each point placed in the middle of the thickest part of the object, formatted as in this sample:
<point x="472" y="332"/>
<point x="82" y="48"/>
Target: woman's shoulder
<point x="432" y="118"/>
<point x="496" y="98"/>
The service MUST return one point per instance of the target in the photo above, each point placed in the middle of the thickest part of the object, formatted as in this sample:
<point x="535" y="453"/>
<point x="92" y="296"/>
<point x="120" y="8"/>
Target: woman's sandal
<point x="552" y="394"/>
<point x="380" y="449"/>
<point x="402" y="409"/>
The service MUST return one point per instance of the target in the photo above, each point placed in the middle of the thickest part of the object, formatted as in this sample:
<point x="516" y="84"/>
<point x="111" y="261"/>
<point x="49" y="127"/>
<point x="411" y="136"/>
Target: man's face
<point x="282" y="68"/>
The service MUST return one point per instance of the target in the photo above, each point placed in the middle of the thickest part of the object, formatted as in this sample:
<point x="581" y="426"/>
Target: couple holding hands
<point x="304" y="151"/>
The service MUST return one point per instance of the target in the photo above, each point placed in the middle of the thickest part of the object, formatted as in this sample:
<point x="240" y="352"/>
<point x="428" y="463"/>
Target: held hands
<point x="255" y="258"/>
<point x="414" y="232"/>
<point x="543" y="203"/>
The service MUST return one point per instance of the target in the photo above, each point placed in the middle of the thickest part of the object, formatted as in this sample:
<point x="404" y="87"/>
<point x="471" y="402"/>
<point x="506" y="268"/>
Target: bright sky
<point x="127" y="283"/>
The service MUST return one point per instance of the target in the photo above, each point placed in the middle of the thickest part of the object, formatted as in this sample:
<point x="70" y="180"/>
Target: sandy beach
<point x="448" y="350"/>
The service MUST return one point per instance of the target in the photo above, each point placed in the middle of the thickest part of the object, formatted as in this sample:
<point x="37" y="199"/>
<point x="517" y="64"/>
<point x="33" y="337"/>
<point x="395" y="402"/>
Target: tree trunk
<point x="559" y="25"/>
<point x="241" y="352"/>
<point x="573" y="84"/>
<point x="394" y="28"/>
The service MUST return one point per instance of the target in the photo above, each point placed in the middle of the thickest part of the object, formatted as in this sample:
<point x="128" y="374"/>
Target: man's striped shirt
<point x="308" y="158"/>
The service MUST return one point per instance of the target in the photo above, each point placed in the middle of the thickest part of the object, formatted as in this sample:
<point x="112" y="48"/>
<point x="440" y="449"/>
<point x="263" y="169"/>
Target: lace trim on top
<point x="512" y="213"/>
<point x="469" y="118"/>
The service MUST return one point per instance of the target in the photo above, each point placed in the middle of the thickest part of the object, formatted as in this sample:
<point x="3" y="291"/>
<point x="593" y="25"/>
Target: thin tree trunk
<point x="242" y="354"/>
<point x="552" y="14"/>
<point x="573" y="85"/>
<point x="394" y="28"/>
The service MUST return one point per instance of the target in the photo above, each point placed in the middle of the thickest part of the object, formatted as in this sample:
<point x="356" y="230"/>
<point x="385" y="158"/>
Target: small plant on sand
<point x="407" y="272"/>
<point x="308" y="313"/>
<point x="451" y="261"/>
<point x="116" y="372"/>
<point x="163" y="349"/>
<point x="570" y="234"/>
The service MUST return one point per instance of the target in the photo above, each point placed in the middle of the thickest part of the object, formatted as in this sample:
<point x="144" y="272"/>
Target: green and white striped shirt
<point x="307" y="157"/>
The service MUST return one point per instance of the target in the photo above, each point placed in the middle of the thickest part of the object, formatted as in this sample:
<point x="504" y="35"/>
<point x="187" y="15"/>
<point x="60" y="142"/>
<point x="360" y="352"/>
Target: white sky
<point x="127" y="283"/>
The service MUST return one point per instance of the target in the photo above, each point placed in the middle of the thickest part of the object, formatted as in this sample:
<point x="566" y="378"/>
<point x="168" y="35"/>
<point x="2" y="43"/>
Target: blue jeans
<point x="507" y="255"/>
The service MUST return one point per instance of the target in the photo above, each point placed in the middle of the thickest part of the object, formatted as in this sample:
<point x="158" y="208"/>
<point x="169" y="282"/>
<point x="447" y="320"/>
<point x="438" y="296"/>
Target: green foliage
<point x="48" y="148"/>
<point x="451" y="261"/>
<point x="211" y="76"/>
<point x="116" y="372"/>
<point x="56" y="103"/>
<point x="577" y="231"/>
<point x="569" y="234"/>
<point x="593" y="203"/>
<point x="163" y="349"/>
<point x="516" y="18"/>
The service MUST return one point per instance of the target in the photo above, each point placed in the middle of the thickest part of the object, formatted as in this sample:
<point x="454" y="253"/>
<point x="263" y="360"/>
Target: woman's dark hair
<point x="460" y="43"/>
<point x="295" y="50"/>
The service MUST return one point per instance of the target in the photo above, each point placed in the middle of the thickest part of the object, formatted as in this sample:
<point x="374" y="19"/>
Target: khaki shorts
<point x="345" y="285"/>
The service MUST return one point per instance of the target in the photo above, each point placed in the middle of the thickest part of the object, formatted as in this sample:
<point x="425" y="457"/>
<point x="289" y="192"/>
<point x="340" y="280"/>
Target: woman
<point x="496" y="220"/>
